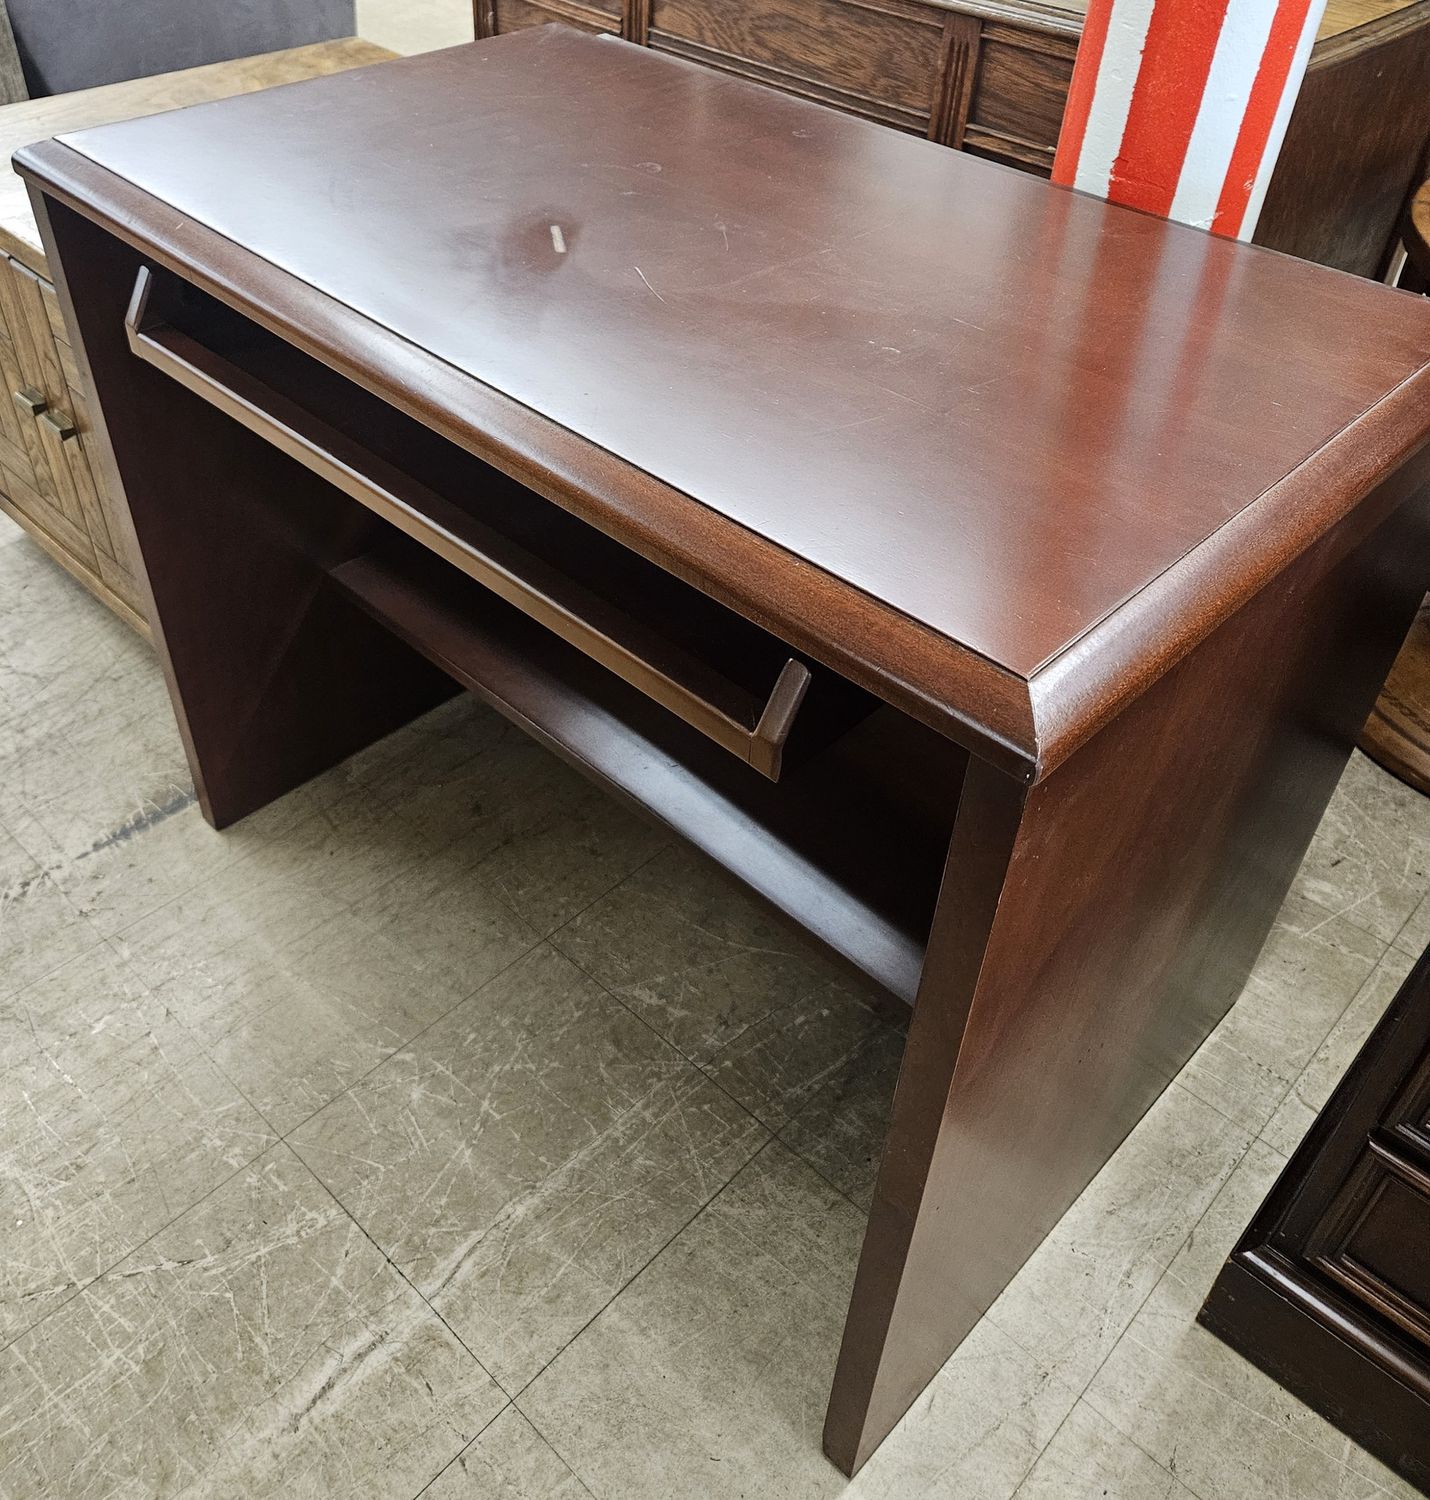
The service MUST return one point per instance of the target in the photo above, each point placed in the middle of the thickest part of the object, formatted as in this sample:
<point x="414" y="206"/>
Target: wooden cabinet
<point x="992" y="76"/>
<point x="50" y="481"/>
<point x="881" y="60"/>
<point x="1329" y="1289"/>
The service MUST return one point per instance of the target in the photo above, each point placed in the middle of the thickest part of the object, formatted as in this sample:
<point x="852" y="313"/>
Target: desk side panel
<point x="1094" y="929"/>
<point x="274" y="676"/>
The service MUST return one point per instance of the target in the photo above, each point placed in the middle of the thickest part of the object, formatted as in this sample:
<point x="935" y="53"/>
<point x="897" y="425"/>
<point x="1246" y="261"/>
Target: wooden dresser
<point x="1329" y="1289"/>
<point x="991" y="77"/>
<point x="47" y="480"/>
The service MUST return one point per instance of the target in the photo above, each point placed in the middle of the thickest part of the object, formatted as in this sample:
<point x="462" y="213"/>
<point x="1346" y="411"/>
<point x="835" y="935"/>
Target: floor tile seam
<point x="814" y="1166"/>
<point x="1301" y="1442"/>
<point x="1037" y="1457"/>
<point x="1157" y="1281"/>
<point x="666" y="1041"/>
<point x="407" y="1282"/>
<point x="1086" y="1387"/>
<point x="823" y="1176"/>
<point x="8" y="995"/>
<point x="387" y="1057"/>
<point x="511" y="1406"/>
<point x="689" y="1218"/>
<point x="470" y="1443"/>
<point x="134" y="1249"/>
<point x="1400" y="932"/>
<point x="1126" y="1437"/>
<point x="667" y="843"/>
<point x="622" y="1290"/>
<point x="208" y="1047"/>
<point x="1348" y="914"/>
<point x="200" y="1043"/>
<point x="606" y="990"/>
<point x="1180" y="1080"/>
<point x="1126" y="1334"/>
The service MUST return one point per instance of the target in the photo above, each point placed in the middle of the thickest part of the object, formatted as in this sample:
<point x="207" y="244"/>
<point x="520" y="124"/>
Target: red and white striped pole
<point x="1179" y="107"/>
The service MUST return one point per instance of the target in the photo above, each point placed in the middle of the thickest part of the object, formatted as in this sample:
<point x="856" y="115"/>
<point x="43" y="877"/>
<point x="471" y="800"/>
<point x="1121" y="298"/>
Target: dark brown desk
<point x="990" y="579"/>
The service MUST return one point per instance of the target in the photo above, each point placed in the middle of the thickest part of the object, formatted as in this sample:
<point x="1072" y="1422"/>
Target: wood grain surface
<point x="771" y="278"/>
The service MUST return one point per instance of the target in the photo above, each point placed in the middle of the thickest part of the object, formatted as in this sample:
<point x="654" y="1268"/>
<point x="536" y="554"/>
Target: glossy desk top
<point x="999" y="408"/>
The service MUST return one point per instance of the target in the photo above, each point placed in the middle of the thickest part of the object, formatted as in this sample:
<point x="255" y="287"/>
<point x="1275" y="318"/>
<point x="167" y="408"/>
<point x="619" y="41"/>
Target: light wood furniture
<point x="48" y="481"/>
<point x="991" y="77"/>
<point x="1328" y="1290"/>
<point x="607" y="388"/>
<point x="12" y="75"/>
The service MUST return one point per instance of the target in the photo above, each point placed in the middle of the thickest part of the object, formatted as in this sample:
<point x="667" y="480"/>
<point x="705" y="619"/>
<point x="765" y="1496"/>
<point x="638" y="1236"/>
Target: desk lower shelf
<point x="850" y="845"/>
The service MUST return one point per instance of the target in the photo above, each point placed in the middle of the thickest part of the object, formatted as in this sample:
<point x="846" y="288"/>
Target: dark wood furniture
<point x="610" y="411"/>
<point x="991" y="77"/>
<point x="48" y="482"/>
<point x="1329" y="1289"/>
<point x="1397" y="733"/>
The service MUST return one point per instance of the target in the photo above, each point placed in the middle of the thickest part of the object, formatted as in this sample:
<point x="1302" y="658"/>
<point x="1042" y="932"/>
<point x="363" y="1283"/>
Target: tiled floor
<point x="444" y="1131"/>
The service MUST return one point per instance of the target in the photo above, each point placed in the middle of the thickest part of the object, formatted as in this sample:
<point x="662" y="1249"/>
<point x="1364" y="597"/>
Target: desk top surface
<point x="1001" y="410"/>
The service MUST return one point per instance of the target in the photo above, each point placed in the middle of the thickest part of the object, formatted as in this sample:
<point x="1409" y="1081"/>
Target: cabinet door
<point x="59" y="433"/>
<point x="32" y="377"/>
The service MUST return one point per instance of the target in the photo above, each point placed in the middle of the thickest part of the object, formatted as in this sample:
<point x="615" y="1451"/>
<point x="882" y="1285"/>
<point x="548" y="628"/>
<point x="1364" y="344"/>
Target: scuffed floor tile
<point x="1313" y="964"/>
<point x="527" y="1156"/>
<point x="1201" y="1411"/>
<point x="509" y="1461"/>
<point x="1370" y="859"/>
<point x="260" y="1346"/>
<point x="39" y="928"/>
<point x="112" y="1122"/>
<point x="840" y="1131"/>
<point x="724" y="1348"/>
<point x="1083" y="1285"/>
<point x="1317" y="1080"/>
<point x="1089" y="1459"/>
<point x="731" y="987"/>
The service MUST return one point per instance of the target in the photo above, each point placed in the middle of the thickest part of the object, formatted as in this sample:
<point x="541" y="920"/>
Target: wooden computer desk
<point x="991" y="579"/>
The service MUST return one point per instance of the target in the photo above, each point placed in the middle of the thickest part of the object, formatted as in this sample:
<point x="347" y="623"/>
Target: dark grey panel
<point x="76" y="44"/>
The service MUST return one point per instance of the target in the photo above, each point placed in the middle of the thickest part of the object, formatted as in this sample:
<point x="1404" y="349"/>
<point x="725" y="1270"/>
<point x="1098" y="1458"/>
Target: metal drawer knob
<point x="28" y="399"/>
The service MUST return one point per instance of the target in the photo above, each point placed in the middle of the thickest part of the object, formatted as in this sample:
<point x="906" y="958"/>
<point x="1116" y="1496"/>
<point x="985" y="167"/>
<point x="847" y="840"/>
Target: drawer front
<point x="878" y="60"/>
<point x="1019" y="93"/>
<point x="588" y="15"/>
<point x="1375" y="1239"/>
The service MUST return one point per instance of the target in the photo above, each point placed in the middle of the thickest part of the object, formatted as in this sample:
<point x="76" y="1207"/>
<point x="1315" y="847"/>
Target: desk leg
<point x="274" y="675"/>
<point x="1090" y="932"/>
